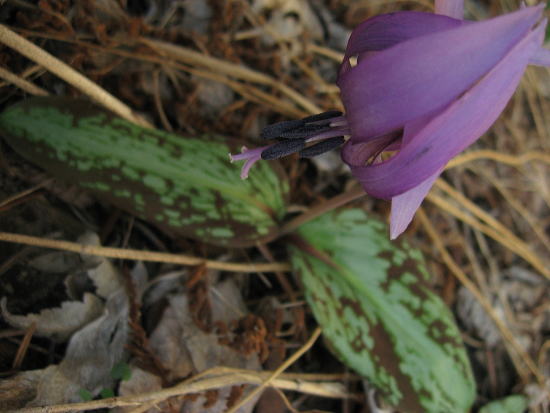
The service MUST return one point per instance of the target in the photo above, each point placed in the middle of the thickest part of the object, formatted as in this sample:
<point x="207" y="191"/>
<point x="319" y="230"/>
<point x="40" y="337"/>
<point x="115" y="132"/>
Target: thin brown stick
<point x="322" y="208"/>
<point x="25" y="193"/>
<point x="158" y="102"/>
<point x="23" y="347"/>
<point x="129" y="254"/>
<point x="22" y="83"/>
<point x="65" y="72"/>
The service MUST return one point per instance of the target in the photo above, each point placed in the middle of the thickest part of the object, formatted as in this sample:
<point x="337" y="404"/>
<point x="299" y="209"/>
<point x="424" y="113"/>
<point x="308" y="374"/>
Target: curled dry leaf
<point x="100" y="270"/>
<point x="186" y="349"/>
<point x="91" y="354"/>
<point x="61" y="322"/>
<point x="57" y="323"/>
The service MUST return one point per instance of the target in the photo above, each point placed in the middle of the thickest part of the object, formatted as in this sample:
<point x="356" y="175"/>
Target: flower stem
<point x="350" y="195"/>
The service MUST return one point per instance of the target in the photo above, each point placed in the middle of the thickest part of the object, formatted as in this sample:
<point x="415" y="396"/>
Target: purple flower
<point x="426" y="86"/>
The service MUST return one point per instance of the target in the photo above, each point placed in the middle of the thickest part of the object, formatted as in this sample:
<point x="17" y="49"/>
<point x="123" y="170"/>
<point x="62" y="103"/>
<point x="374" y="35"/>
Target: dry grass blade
<point x="24" y="346"/>
<point x="466" y="282"/>
<point x="220" y="66"/>
<point x="512" y="160"/>
<point x="65" y="72"/>
<point x="22" y="83"/>
<point x="522" y="211"/>
<point x="248" y="91"/>
<point x="211" y="380"/>
<point x="24" y="193"/>
<point x="279" y="370"/>
<point x="504" y="237"/>
<point x="129" y="254"/>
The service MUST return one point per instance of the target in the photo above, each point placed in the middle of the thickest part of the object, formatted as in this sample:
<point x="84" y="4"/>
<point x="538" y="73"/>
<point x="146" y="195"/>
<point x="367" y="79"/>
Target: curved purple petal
<point x="451" y="8"/>
<point x="541" y="57"/>
<point x="386" y="30"/>
<point x="447" y="134"/>
<point x="419" y="76"/>
<point x="404" y="206"/>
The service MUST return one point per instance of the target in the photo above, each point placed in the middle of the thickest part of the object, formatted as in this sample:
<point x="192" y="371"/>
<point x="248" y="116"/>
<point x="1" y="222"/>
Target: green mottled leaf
<point x="185" y="185"/>
<point x="511" y="404"/>
<point x="372" y="299"/>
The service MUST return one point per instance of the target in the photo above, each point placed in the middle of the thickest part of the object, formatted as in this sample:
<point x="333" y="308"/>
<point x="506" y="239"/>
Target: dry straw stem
<point x="220" y="66"/>
<point x="517" y="205"/>
<point x="129" y="254"/>
<point x="24" y="193"/>
<point x="248" y="91"/>
<point x="65" y="72"/>
<point x="511" y="160"/>
<point x="466" y="282"/>
<point x="210" y="380"/>
<point x="291" y="360"/>
<point x="22" y="83"/>
<point x="491" y="227"/>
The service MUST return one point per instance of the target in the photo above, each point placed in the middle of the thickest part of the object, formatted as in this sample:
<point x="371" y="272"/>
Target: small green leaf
<point x="511" y="404"/>
<point x="85" y="395"/>
<point x="121" y="371"/>
<point x="106" y="393"/>
<point x="372" y="299"/>
<point x="185" y="185"/>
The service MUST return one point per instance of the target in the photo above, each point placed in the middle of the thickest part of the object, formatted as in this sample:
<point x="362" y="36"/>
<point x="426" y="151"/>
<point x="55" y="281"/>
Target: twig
<point x="129" y="254"/>
<point x="22" y="83"/>
<point x="24" y="193"/>
<point x="158" y="102"/>
<point x="65" y="72"/>
<point x="24" y="346"/>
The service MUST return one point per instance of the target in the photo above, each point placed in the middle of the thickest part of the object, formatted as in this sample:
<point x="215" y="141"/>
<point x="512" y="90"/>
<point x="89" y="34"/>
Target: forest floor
<point x="486" y="242"/>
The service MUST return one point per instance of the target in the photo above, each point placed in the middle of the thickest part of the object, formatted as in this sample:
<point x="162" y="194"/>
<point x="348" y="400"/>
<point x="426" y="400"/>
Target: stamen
<point x="329" y="133"/>
<point x="303" y="132"/>
<point x="284" y="148"/>
<point x="275" y="130"/>
<point x="322" y="147"/>
<point x="322" y="116"/>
